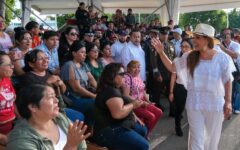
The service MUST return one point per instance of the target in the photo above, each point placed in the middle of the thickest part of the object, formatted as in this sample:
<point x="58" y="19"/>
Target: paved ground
<point x="163" y="136"/>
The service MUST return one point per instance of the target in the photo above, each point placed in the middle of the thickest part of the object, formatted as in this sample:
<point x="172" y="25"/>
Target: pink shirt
<point x="136" y="86"/>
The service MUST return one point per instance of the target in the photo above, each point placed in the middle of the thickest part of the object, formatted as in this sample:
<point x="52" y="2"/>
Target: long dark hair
<point x="108" y="75"/>
<point x="194" y="57"/>
<point x="63" y="38"/>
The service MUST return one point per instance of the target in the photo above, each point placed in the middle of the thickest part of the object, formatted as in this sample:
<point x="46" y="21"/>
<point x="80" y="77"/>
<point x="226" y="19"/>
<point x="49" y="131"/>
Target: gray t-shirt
<point x="80" y="74"/>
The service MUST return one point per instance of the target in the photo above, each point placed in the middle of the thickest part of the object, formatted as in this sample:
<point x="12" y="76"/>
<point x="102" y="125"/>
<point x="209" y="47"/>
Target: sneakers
<point x="179" y="131"/>
<point x="237" y="112"/>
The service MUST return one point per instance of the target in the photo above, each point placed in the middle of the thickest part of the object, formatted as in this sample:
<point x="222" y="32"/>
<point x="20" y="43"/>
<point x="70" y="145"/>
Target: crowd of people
<point x="110" y="74"/>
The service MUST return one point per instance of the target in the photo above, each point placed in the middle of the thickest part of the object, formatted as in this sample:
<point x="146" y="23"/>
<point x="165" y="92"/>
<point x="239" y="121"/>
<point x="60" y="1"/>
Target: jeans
<point x="236" y="96"/>
<point x="85" y="106"/>
<point x="74" y="115"/>
<point x="120" y="138"/>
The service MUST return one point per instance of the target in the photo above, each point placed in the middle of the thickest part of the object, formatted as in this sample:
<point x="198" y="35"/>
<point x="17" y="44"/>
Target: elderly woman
<point x="67" y="38"/>
<point x="36" y="69"/>
<point x="178" y="93"/>
<point x="115" y="125"/>
<point x="207" y="77"/>
<point x="42" y="126"/>
<point x="5" y="40"/>
<point x="134" y="88"/>
<point x="23" y="42"/>
<point x="78" y="78"/>
<point x="7" y="97"/>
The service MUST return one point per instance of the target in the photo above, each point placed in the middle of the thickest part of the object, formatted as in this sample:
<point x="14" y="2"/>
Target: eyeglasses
<point x="9" y="64"/>
<point x="121" y="73"/>
<point x="74" y="34"/>
<point x="42" y="58"/>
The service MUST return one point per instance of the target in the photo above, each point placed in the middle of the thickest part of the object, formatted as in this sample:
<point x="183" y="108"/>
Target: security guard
<point x="161" y="76"/>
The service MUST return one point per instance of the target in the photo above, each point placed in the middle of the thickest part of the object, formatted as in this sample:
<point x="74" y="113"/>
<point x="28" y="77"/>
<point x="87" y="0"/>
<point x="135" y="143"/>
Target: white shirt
<point x="234" y="46"/>
<point x="206" y="89"/>
<point x="133" y="52"/>
<point x="217" y="48"/>
<point x="177" y="45"/>
<point x="62" y="140"/>
<point x="116" y="51"/>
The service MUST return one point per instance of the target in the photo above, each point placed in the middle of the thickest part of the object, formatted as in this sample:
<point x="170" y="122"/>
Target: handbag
<point x="64" y="101"/>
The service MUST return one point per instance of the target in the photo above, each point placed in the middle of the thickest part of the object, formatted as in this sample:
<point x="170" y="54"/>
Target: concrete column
<point x="25" y="12"/>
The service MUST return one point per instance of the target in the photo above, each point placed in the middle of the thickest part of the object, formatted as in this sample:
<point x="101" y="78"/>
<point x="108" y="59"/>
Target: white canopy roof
<point x="139" y="6"/>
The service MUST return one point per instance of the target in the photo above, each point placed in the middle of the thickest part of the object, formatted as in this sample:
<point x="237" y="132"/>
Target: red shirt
<point x="36" y="41"/>
<point x="7" y="98"/>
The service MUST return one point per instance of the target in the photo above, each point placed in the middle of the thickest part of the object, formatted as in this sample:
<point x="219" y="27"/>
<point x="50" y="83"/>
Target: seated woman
<point x="36" y="68"/>
<point x="23" y="42"/>
<point x="42" y="126"/>
<point x="76" y="74"/>
<point x="134" y="88"/>
<point x="93" y="62"/>
<point x="106" y="54"/>
<point x="66" y="39"/>
<point x="7" y="97"/>
<point x="115" y="125"/>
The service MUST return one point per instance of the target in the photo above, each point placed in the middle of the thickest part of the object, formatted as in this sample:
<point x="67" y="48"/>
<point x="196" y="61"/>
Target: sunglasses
<point x="74" y="34"/>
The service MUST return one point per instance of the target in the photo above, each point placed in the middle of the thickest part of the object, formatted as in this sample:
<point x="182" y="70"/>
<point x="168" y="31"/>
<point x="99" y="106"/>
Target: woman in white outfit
<point x="207" y="76"/>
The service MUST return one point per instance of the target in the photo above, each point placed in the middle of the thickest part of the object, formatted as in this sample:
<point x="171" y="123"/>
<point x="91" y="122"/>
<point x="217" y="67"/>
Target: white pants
<point x="204" y="129"/>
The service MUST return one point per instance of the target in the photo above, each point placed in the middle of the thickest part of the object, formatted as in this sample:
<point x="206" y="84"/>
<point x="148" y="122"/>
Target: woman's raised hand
<point x="158" y="46"/>
<point x="76" y="134"/>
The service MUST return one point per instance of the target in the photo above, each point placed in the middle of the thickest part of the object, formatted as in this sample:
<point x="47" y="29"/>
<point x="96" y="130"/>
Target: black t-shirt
<point x="31" y="78"/>
<point x="103" y="117"/>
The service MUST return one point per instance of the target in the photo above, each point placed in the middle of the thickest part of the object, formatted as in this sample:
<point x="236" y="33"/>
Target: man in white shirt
<point x="230" y="47"/>
<point x="118" y="46"/>
<point x="177" y="33"/>
<point x="134" y="51"/>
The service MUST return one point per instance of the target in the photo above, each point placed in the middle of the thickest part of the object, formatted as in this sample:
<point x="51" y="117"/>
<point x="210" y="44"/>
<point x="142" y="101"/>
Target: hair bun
<point x="18" y="29"/>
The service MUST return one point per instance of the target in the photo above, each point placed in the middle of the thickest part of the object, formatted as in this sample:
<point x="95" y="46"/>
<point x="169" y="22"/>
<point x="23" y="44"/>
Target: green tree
<point x="147" y="18"/>
<point x="234" y="19"/>
<point x="61" y="19"/>
<point x="9" y="15"/>
<point x="216" y="18"/>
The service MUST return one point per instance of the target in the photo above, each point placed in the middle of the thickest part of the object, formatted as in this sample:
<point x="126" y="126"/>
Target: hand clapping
<point x="76" y="134"/>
